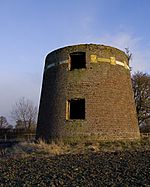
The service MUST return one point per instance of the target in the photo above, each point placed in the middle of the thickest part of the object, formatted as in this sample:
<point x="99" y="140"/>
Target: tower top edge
<point x="82" y="46"/>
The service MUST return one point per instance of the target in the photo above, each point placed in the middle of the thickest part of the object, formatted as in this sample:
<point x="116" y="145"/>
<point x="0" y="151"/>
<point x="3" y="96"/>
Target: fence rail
<point x="24" y="137"/>
<point x="16" y="135"/>
<point x="145" y="135"/>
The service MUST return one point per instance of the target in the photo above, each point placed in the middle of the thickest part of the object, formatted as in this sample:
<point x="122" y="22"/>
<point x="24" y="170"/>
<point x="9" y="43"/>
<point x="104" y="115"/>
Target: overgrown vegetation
<point x="60" y="148"/>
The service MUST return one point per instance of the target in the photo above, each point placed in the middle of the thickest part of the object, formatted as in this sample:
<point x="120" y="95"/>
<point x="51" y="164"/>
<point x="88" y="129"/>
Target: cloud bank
<point x="122" y="40"/>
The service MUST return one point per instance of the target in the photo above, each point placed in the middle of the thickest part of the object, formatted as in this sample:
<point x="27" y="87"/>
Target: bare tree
<point x="3" y="122"/>
<point x="128" y="53"/>
<point x="141" y="88"/>
<point x="24" y="111"/>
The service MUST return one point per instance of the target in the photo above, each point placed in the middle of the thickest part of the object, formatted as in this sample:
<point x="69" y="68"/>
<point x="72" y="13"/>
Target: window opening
<point x="77" y="60"/>
<point x="75" y="109"/>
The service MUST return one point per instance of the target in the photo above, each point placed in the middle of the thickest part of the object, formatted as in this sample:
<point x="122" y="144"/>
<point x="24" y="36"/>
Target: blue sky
<point x="29" y="29"/>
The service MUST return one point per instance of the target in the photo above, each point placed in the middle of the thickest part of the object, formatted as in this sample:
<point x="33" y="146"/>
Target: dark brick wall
<point x="109" y="103"/>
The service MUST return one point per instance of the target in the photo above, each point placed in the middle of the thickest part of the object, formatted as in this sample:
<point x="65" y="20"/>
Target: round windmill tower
<point x="87" y="92"/>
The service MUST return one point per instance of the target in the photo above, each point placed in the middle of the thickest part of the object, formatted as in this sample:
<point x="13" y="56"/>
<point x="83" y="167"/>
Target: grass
<point x="41" y="148"/>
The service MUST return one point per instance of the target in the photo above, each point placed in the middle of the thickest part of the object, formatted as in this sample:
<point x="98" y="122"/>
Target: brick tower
<point x="87" y="92"/>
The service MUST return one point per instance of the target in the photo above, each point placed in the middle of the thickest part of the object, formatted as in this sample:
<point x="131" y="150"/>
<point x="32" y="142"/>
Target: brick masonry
<point x="109" y="104"/>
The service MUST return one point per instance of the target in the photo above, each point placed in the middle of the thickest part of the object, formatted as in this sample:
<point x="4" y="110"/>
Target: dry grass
<point x="59" y="148"/>
<point x="26" y="149"/>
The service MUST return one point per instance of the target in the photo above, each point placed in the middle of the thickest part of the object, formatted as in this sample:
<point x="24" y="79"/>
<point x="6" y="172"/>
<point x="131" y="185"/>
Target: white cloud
<point x="122" y="40"/>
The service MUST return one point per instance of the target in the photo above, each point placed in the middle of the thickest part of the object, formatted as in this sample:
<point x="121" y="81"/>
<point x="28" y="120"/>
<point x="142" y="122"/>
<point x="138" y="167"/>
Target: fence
<point x="145" y="135"/>
<point x="17" y="135"/>
<point x="24" y="135"/>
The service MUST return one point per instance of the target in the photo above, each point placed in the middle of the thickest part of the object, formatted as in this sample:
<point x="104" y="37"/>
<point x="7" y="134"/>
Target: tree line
<point x="141" y="89"/>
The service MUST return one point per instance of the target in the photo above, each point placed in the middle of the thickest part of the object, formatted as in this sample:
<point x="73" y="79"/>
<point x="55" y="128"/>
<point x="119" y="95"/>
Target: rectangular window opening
<point x="75" y="109"/>
<point x="77" y="60"/>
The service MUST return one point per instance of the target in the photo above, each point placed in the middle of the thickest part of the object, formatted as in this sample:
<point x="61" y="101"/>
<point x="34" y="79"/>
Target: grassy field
<point x="86" y="164"/>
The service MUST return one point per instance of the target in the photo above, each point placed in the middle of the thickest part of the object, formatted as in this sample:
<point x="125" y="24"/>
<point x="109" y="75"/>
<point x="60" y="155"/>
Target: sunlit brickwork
<point x="100" y="88"/>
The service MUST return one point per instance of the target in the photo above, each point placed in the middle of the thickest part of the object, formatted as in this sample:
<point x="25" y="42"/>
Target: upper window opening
<point x="77" y="60"/>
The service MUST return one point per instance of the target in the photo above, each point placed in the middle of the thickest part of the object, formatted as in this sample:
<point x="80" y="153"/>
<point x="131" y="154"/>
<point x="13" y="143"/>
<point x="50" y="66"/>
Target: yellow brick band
<point x="111" y="60"/>
<point x="93" y="58"/>
<point x="103" y="60"/>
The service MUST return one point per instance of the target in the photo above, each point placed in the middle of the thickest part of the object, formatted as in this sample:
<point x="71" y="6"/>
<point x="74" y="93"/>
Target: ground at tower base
<point x="89" y="164"/>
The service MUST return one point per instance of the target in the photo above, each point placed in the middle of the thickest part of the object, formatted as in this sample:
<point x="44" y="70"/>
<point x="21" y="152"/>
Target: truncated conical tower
<point x="87" y="92"/>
